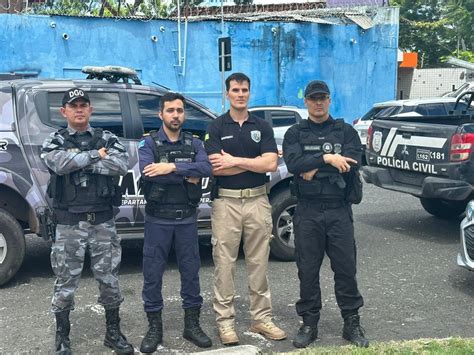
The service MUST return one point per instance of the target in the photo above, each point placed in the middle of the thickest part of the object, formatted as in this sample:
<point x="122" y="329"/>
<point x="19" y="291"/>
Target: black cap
<point x="316" y="87"/>
<point x="75" y="94"/>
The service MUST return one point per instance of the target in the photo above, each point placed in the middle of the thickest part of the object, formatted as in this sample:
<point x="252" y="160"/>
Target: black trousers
<point x="320" y="229"/>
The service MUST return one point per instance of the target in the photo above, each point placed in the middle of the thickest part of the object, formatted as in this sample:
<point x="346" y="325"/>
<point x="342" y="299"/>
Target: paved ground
<point x="407" y="275"/>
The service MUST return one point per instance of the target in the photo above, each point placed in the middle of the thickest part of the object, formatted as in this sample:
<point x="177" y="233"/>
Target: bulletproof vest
<point x="81" y="191"/>
<point x="172" y="200"/>
<point x="324" y="186"/>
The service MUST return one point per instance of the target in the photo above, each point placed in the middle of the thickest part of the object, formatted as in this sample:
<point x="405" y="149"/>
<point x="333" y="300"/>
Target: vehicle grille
<point x="469" y="237"/>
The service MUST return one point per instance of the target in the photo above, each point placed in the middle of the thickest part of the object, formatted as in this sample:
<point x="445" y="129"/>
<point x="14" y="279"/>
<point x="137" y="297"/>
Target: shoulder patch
<point x="141" y="144"/>
<point x="206" y="137"/>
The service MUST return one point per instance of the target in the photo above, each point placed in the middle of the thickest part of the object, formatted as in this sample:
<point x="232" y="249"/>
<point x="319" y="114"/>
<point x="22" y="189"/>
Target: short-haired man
<point x="322" y="152"/>
<point x="172" y="163"/>
<point x="242" y="150"/>
<point x="84" y="163"/>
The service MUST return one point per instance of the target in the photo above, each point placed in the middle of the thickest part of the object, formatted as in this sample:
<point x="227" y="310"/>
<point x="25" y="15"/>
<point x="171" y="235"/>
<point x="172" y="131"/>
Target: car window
<point x="259" y="114"/>
<point x="433" y="109"/>
<point x="459" y="91"/>
<point x="106" y="113"/>
<point x="283" y="118"/>
<point x="388" y="111"/>
<point x="149" y="106"/>
<point x="370" y="114"/>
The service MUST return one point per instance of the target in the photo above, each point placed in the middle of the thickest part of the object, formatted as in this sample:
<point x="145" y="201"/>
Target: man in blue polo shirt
<point x="172" y="164"/>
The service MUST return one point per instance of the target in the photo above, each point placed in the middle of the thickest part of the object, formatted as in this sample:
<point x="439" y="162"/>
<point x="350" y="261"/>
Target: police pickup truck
<point x="29" y="112"/>
<point x="430" y="157"/>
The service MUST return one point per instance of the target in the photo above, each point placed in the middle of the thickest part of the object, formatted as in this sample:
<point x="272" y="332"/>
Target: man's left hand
<point x="157" y="169"/>
<point x="223" y="161"/>
<point x="194" y="180"/>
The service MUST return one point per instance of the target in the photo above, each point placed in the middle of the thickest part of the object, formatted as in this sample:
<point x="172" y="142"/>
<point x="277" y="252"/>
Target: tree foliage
<point x="436" y="29"/>
<point x="106" y="8"/>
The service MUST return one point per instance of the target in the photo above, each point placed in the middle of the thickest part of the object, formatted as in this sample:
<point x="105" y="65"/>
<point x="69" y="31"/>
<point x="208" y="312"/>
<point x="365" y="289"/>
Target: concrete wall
<point x="419" y="83"/>
<point x="279" y="57"/>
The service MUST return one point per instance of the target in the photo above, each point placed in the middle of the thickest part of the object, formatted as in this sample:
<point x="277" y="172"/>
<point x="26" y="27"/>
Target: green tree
<point x="436" y="29"/>
<point x="459" y="14"/>
<point x="105" y="8"/>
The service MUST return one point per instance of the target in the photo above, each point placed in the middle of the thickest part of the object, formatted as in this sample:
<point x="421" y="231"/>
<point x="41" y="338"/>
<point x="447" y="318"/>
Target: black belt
<point x="69" y="218"/>
<point x="174" y="214"/>
<point x="323" y="205"/>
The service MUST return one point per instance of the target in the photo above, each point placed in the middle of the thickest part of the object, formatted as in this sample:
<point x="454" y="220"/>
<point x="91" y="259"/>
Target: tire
<point x="12" y="246"/>
<point x="282" y="246"/>
<point x="442" y="208"/>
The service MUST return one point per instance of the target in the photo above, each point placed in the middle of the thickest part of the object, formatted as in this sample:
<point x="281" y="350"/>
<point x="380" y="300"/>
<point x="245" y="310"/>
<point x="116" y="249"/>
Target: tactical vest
<point x="174" y="201"/>
<point x="324" y="186"/>
<point x="81" y="191"/>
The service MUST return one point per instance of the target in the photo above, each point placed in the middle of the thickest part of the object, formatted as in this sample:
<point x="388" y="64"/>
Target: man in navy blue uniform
<point x="324" y="154"/>
<point x="172" y="163"/>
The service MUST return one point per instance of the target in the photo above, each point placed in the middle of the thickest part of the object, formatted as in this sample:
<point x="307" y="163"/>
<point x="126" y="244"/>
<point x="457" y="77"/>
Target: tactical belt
<point x="68" y="218"/>
<point x="244" y="193"/>
<point x="323" y="205"/>
<point x="177" y="214"/>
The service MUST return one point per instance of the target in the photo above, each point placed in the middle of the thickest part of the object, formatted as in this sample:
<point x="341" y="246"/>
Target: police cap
<point x="73" y="95"/>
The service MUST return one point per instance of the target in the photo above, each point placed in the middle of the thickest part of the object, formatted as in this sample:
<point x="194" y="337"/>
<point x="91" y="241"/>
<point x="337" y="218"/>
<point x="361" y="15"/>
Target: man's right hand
<point x="309" y="175"/>
<point x="338" y="161"/>
<point x="102" y="152"/>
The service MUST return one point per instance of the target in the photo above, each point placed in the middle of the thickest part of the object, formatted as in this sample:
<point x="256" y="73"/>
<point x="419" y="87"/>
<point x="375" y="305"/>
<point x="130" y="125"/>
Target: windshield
<point x="459" y="91"/>
<point x="370" y="115"/>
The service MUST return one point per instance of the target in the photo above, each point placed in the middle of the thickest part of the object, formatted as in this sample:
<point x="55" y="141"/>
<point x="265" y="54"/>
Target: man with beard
<point x="172" y="164"/>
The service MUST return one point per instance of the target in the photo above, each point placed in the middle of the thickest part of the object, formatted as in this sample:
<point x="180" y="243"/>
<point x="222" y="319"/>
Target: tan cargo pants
<point x="232" y="220"/>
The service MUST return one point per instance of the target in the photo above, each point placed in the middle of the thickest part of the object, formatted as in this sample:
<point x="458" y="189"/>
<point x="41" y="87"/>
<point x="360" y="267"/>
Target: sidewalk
<point x="234" y="350"/>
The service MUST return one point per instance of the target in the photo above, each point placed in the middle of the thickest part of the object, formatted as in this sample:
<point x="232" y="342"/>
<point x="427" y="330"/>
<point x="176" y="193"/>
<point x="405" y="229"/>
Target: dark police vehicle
<point x="430" y="157"/>
<point x="29" y="112"/>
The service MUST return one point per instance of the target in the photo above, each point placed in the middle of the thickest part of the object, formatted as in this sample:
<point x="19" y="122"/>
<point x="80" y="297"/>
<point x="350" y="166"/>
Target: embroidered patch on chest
<point x="256" y="136"/>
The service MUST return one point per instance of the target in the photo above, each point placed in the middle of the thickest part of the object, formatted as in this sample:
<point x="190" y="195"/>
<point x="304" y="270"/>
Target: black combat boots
<point x="63" y="327"/>
<point x="192" y="329"/>
<point x="114" y="338"/>
<point x="353" y="331"/>
<point x="305" y="336"/>
<point x="154" y="336"/>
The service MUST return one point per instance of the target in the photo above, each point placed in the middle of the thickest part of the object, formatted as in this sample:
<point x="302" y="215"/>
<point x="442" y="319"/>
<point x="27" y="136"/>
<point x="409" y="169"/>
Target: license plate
<point x="423" y="155"/>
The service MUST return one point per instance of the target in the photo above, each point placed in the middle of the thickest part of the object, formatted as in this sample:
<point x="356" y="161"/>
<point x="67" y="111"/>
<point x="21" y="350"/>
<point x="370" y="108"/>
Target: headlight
<point x="470" y="210"/>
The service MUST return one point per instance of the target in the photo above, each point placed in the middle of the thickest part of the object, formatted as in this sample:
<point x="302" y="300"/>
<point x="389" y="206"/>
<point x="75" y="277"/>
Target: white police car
<point x="466" y="255"/>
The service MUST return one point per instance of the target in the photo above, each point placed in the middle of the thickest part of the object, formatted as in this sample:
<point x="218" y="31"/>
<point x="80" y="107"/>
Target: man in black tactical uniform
<point x="85" y="164"/>
<point x="172" y="163"/>
<point x="322" y="153"/>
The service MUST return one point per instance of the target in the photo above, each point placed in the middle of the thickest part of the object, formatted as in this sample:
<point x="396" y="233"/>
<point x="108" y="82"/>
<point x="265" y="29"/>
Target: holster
<point x="47" y="223"/>
<point x="194" y="192"/>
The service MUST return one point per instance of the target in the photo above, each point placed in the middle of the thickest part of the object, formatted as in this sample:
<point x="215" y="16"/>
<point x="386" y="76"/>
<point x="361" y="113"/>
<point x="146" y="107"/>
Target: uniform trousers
<point x="234" y="219"/>
<point x="320" y="230"/>
<point x="67" y="261"/>
<point x="159" y="238"/>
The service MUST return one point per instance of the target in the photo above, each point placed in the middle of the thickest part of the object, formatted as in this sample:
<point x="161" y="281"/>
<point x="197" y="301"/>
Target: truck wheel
<point x="442" y="208"/>
<point x="283" y="207"/>
<point x="12" y="246"/>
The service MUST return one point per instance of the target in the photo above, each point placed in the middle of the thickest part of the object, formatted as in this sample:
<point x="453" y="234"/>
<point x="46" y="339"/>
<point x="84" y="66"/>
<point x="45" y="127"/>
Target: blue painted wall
<point x="280" y="58"/>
